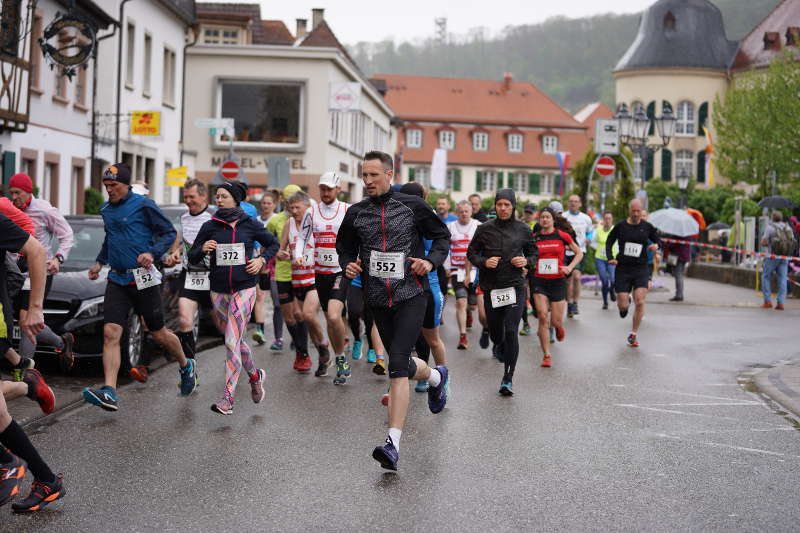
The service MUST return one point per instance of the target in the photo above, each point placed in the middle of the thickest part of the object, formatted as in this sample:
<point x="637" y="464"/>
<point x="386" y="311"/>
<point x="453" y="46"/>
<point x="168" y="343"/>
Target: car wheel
<point x="132" y="343"/>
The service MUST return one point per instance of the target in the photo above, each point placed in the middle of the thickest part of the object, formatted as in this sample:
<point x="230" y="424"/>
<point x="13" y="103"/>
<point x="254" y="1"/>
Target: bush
<point x="92" y="201"/>
<point x="711" y="201"/>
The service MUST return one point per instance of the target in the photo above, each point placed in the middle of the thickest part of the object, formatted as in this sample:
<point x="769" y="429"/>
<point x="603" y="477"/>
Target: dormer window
<point x="480" y="141"/>
<point x="669" y="21"/>
<point x="549" y="144"/>
<point x="414" y="138"/>
<point x="221" y="35"/>
<point x="447" y="139"/>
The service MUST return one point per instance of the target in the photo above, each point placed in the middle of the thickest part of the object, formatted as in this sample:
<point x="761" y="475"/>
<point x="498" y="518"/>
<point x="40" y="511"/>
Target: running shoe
<point x="342" y="371"/>
<point x="526" y="330"/>
<point x="302" y="362"/>
<point x="623" y="313"/>
<point x="257" y="385"/>
<point x="561" y="334"/>
<point x="575" y="309"/>
<point x="484" y="340"/>
<point x="469" y="320"/>
<point x="357" y="349"/>
<point x="139" y="373"/>
<point x="437" y="396"/>
<point x="632" y="342"/>
<point x="546" y="363"/>
<point x="778" y="307"/>
<point x="371" y="356"/>
<point x="380" y="367"/>
<point x="570" y="312"/>
<point x="11" y="475"/>
<point x="188" y="378"/>
<point x="463" y="343"/>
<point x="613" y="295"/>
<point x="42" y="494"/>
<point x="505" y="388"/>
<point x="322" y="367"/>
<point x="766" y="305"/>
<point x="422" y="385"/>
<point x="386" y="455"/>
<point x="39" y="391"/>
<point x="104" y="397"/>
<point x="552" y="335"/>
<point x="25" y="363"/>
<point x="258" y="336"/>
<point x="385" y="399"/>
<point x="66" y="359"/>
<point x="605" y="306"/>
<point x="224" y="406"/>
<point x="277" y="346"/>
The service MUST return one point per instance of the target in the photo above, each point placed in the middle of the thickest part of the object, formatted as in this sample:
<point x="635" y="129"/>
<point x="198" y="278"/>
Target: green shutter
<point x="702" y="119"/>
<point x="478" y="181"/>
<point x="651" y="114"/>
<point x="649" y="166"/>
<point x="666" y="165"/>
<point x="457" y="179"/>
<point x="534" y="183"/>
<point x="499" y="180"/>
<point x="666" y="105"/>
<point x="410" y="174"/>
<point x="701" y="166"/>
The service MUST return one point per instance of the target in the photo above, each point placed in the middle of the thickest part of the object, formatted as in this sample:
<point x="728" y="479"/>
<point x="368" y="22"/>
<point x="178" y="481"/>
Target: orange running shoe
<point x="632" y="342"/>
<point x="546" y="361"/>
<point x="463" y="343"/>
<point x="39" y="391"/>
<point x="766" y="305"/>
<point x="139" y="373"/>
<point x="561" y="334"/>
<point x="11" y="475"/>
<point x="302" y="362"/>
<point x="779" y="307"/>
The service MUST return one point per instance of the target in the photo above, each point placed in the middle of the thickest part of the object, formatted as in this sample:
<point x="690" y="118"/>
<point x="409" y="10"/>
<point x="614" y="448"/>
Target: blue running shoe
<point x="277" y="346"/>
<point x="484" y="342"/>
<point x="437" y="396"/>
<point x="188" y="378"/>
<point x="422" y="385"/>
<point x="105" y="397"/>
<point x="386" y="455"/>
<point x="371" y="356"/>
<point x="505" y="388"/>
<point x="342" y="371"/>
<point x="356" y="354"/>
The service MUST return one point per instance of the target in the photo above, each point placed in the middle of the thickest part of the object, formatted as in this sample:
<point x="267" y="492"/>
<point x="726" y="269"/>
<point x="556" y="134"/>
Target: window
<point x="515" y="142"/>
<point x="338" y="132"/>
<point x="61" y="85"/>
<point x="36" y="56"/>
<point x="168" y="95"/>
<point x="546" y="184"/>
<point x="49" y="189"/>
<point x="489" y="181"/>
<point x="226" y="36"/>
<point x="414" y="138"/>
<point x="129" y="54"/>
<point x="686" y="123"/>
<point x="422" y="175"/>
<point x="148" y="61"/>
<point x="447" y="139"/>
<point x="684" y="163"/>
<point x="520" y="182"/>
<point x="28" y="166"/>
<point x="480" y="142"/>
<point x="453" y="179"/>
<point x="76" y="205"/>
<point x="358" y="131"/>
<point x="269" y="112"/>
<point x="549" y="144"/>
<point x="150" y="173"/>
<point x="379" y="137"/>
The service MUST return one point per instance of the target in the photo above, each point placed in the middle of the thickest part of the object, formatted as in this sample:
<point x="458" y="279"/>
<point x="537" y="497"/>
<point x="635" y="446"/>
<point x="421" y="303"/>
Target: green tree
<point x="728" y="211"/>
<point x="711" y="201"/>
<point x="92" y="201"/>
<point x="658" y="190"/>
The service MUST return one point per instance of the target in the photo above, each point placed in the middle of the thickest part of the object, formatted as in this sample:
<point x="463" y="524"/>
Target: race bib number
<point x="26" y="285"/>
<point x="633" y="249"/>
<point x="197" y="281"/>
<point x="547" y="266"/>
<point x="16" y="333"/>
<point x="230" y="254"/>
<point x="503" y="297"/>
<point x="672" y="260"/>
<point x="387" y="265"/>
<point x="308" y="258"/>
<point x="146" y="278"/>
<point x="328" y="258"/>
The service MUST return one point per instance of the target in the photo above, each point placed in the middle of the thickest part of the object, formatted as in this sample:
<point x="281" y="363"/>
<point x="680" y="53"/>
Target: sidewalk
<point x="781" y="384"/>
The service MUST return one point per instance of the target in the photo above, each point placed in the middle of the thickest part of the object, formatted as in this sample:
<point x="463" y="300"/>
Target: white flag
<point x="439" y="169"/>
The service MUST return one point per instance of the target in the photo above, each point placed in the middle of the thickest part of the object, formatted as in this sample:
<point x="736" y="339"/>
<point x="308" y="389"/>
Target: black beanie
<point x="413" y="188"/>
<point x="118" y="172"/>
<point x="236" y="189"/>
<point x="506" y="194"/>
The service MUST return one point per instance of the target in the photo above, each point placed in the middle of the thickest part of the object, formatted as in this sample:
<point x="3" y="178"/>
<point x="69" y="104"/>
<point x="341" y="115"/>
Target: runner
<point x="548" y="277"/>
<point x="478" y="212"/>
<point x="301" y="291"/>
<point x="604" y="269"/>
<point x="501" y="249"/>
<point x="137" y="233"/>
<point x="530" y="216"/>
<point x="50" y="226"/>
<point x="17" y="450"/>
<point x="226" y="243"/>
<point x="635" y="237"/>
<point x="382" y="237"/>
<point x="581" y="224"/>
<point x="462" y="276"/>
<point x="267" y="284"/>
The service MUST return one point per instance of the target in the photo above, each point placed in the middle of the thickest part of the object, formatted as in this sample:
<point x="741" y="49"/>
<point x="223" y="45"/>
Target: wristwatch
<point x="60" y="259"/>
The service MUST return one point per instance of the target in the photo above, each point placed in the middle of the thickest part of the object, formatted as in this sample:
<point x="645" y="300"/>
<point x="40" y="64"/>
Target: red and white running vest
<point x="460" y="236"/>
<point x="326" y="220"/>
<point x="301" y="276"/>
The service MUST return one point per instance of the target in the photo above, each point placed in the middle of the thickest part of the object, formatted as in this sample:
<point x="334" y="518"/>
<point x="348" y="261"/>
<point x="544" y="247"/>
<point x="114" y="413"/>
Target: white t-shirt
<point x="581" y="223"/>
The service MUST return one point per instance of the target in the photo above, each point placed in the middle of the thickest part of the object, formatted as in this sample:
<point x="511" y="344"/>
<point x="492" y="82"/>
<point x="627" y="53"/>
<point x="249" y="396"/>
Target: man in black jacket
<point x="381" y="236"/>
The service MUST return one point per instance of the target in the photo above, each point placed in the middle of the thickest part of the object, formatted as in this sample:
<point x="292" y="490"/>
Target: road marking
<point x="617" y="385"/>
<point x="705" y="404"/>
<point x="694" y="395"/>
<point x="659" y="355"/>
<point x="673" y="411"/>
<point x="730" y="446"/>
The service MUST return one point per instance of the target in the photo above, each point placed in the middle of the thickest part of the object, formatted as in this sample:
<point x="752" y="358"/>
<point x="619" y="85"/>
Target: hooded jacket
<point x="230" y="279"/>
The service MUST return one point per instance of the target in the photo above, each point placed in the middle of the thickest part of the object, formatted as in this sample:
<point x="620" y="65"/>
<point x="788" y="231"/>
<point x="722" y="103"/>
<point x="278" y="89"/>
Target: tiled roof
<point x="183" y="9"/>
<point x="276" y="32"/>
<point x="780" y="24"/>
<point x="323" y="36"/>
<point x="589" y="114"/>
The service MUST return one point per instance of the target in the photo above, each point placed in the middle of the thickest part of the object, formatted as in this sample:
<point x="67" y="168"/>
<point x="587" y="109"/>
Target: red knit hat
<point x="21" y="181"/>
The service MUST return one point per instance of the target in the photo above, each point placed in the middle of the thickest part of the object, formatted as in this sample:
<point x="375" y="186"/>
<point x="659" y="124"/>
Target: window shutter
<point x="479" y="181"/>
<point x="499" y="180"/>
<point x="702" y="119"/>
<point x="666" y="165"/>
<point x="648" y="166"/>
<point x="533" y="183"/>
<point x="651" y="114"/>
<point x="457" y="179"/>
<point x="411" y="174"/>
<point x="701" y="166"/>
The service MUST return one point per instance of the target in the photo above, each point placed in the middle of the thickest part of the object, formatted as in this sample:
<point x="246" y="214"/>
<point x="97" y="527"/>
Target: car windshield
<point x="88" y="240"/>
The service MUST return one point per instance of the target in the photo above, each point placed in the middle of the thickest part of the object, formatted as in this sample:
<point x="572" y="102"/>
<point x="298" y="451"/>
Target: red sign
<point x="230" y="170"/>
<point x="606" y="166"/>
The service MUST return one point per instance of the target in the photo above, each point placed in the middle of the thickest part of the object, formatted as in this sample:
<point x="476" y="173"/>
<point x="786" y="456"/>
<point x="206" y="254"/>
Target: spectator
<point x="443" y="210"/>
<point x="778" y="239"/>
<point x="530" y="215"/>
<point x="677" y="256"/>
<point x="478" y="213"/>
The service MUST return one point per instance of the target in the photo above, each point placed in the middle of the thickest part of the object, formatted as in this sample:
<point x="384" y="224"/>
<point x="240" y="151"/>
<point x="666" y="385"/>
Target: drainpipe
<point x="94" y="103"/>
<point x="196" y="32"/>
<point x="119" y="77"/>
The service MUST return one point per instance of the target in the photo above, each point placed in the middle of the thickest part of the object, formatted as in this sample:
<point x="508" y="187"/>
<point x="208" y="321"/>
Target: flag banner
<point x="709" y="158"/>
<point x="439" y="169"/>
<point x="563" y="159"/>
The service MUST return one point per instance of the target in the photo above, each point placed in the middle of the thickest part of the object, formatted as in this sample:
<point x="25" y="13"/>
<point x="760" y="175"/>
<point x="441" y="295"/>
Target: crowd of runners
<point x="382" y="268"/>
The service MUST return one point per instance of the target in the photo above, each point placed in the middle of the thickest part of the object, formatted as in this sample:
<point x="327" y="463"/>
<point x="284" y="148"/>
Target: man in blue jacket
<point x="137" y="233"/>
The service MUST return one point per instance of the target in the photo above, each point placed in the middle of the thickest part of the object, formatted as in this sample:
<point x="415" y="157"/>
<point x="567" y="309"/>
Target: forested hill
<point x="570" y="59"/>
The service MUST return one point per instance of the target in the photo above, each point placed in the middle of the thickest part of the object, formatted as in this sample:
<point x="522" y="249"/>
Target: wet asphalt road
<point x="659" y="438"/>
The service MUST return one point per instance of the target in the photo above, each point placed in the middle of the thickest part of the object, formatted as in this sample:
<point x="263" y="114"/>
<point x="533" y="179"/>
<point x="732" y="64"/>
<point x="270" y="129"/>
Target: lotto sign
<point x="146" y="123"/>
<point x="230" y="170"/>
<point x="345" y="96"/>
<point x="606" y="166"/>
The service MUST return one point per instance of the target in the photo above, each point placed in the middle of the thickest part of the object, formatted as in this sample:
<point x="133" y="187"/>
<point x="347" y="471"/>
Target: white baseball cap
<point x="556" y="206"/>
<point x="330" y="179"/>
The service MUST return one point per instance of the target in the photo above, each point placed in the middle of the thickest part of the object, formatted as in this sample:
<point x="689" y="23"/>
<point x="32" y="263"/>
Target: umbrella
<point x="698" y="216"/>
<point x="674" y="222"/>
<point x="777" y="202"/>
<point x="718" y="225"/>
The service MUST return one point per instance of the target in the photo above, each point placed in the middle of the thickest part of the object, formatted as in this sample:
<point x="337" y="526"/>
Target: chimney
<point x="772" y="41"/>
<point x="317" y="16"/>
<point x="301" y="29"/>
<point x="507" y="79"/>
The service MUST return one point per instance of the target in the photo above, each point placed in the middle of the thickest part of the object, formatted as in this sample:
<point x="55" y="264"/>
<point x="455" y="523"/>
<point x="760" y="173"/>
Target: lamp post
<point x="634" y="131"/>
<point x="683" y="184"/>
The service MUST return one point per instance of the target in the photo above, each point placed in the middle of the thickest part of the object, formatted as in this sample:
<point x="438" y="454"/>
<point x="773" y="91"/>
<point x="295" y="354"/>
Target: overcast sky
<point x="363" y="20"/>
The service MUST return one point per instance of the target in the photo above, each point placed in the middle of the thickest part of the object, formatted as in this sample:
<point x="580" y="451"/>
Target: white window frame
<point x="148" y="64"/>
<point x="450" y="177"/>
<point x="684" y="160"/>
<point x="515" y="142"/>
<point x="480" y="141"/>
<point x="380" y="137"/>
<point x="422" y="175"/>
<point x="520" y="182"/>
<point x="546" y="184"/>
<point x="447" y="139"/>
<point x="687" y="120"/>
<point x="489" y="181"/>
<point x="549" y="144"/>
<point x="218" y="36"/>
<point x="170" y="69"/>
<point x="414" y="138"/>
<point x="130" y="54"/>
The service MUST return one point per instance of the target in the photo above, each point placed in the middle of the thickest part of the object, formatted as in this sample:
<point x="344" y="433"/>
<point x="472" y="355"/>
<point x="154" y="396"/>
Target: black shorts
<point x="287" y="292"/>
<point x="203" y="298"/>
<point x="629" y="277"/>
<point x="441" y="273"/>
<point x="555" y="289"/>
<point x="581" y="267"/>
<point x="399" y="327"/>
<point x="23" y="297"/>
<point x="462" y="291"/>
<point x="264" y="282"/>
<point x="331" y="287"/>
<point x="119" y="301"/>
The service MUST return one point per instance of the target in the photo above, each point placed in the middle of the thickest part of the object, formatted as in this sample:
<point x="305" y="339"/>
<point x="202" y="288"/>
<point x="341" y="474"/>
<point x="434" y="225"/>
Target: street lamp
<point x="683" y="184"/>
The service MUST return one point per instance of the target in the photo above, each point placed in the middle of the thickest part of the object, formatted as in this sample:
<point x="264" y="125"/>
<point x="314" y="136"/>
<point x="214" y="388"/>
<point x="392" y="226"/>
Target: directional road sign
<point x="606" y="137"/>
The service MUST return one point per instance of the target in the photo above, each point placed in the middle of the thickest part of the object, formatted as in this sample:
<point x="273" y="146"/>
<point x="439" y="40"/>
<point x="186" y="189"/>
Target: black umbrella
<point x="718" y="225"/>
<point x="777" y="202"/>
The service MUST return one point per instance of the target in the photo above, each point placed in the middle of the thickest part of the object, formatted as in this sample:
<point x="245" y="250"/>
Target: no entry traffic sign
<point x="606" y="166"/>
<point x="230" y="170"/>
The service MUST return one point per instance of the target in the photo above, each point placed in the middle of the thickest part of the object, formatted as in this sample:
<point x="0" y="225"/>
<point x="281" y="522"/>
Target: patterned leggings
<point x="233" y="310"/>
